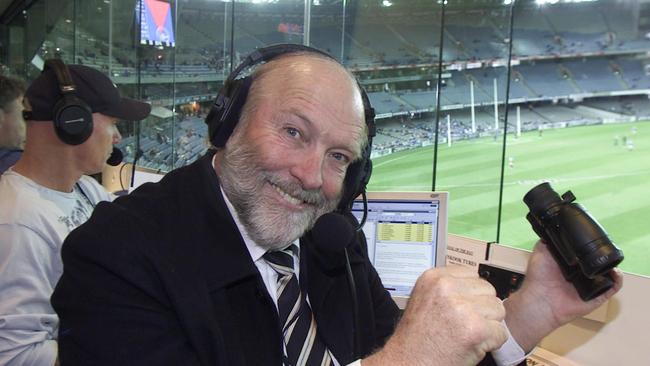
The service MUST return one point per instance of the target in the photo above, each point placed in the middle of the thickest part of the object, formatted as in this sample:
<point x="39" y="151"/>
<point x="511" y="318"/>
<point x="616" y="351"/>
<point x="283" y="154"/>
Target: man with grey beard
<point x="242" y="179"/>
<point x="180" y="272"/>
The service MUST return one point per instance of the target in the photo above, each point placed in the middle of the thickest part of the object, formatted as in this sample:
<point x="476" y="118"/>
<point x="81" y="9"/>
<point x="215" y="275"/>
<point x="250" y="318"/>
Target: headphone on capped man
<point x="72" y="117"/>
<point x="228" y="105"/>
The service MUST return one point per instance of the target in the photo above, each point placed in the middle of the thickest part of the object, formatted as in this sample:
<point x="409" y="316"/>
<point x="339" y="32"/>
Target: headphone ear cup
<point x="356" y="180"/>
<point x="365" y="177"/>
<point x="226" y="110"/>
<point x="73" y="120"/>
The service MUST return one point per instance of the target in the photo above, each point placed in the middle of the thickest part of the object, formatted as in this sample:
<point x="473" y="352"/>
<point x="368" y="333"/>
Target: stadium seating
<point x="567" y="55"/>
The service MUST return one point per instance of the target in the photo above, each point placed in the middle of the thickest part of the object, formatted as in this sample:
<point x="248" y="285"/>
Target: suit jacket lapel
<point x="213" y="257"/>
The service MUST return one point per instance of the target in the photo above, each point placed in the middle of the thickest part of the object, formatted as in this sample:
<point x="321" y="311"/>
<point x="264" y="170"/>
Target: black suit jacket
<point x="163" y="277"/>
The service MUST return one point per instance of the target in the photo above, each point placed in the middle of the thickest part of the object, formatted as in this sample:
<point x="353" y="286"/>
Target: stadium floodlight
<point x="386" y="3"/>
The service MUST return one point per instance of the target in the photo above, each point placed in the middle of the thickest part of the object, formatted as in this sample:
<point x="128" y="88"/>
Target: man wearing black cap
<point x="71" y="115"/>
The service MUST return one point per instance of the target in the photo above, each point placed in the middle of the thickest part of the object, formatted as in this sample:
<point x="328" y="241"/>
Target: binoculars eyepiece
<point x="576" y="240"/>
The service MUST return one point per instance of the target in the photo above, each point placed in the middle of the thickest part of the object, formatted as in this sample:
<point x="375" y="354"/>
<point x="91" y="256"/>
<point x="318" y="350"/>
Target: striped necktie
<point x="303" y="346"/>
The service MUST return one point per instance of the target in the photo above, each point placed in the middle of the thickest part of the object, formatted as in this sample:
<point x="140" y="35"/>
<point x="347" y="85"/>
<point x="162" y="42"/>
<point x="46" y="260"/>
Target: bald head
<point x="281" y="78"/>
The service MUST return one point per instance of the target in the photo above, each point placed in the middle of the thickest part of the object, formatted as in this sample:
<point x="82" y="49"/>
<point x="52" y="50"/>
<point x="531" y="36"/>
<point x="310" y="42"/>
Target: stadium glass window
<point x="481" y="99"/>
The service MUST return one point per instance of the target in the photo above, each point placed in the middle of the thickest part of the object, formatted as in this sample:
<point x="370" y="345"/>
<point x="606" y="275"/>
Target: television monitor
<point x="155" y="19"/>
<point x="406" y="234"/>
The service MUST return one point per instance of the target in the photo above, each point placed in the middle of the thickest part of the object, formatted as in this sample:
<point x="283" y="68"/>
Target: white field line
<point x="525" y="182"/>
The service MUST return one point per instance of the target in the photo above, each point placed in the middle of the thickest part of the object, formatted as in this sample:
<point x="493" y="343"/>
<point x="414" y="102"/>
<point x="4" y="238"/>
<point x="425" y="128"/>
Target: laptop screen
<point x="406" y="234"/>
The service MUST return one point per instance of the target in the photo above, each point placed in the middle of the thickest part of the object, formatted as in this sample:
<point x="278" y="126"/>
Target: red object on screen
<point x="159" y="11"/>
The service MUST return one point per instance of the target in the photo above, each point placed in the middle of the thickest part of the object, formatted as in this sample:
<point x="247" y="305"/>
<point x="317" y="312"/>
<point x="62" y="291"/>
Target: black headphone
<point x="73" y="118"/>
<point x="228" y="105"/>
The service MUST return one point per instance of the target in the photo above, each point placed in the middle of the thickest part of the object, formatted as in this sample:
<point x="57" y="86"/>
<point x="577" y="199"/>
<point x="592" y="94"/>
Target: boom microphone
<point x="116" y="157"/>
<point x="332" y="234"/>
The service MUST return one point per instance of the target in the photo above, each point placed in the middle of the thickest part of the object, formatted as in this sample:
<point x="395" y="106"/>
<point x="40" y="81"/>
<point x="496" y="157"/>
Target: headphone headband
<point x="268" y="53"/>
<point x="63" y="77"/>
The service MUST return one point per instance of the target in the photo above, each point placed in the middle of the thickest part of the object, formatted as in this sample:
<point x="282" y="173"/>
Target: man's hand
<point x="452" y="318"/>
<point x="547" y="301"/>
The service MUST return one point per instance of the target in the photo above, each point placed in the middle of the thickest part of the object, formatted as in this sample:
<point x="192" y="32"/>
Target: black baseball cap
<point x="92" y="86"/>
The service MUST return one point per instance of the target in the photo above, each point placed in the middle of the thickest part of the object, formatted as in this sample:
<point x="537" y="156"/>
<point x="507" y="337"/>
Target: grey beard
<point x="267" y="224"/>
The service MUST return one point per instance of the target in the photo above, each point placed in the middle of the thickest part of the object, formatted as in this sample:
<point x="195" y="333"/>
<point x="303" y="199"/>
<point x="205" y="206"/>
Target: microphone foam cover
<point x="332" y="233"/>
<point x="116" y="157"/>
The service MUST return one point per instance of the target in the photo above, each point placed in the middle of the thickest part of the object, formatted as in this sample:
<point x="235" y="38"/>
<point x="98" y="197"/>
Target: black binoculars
<point x="577" y="242"/>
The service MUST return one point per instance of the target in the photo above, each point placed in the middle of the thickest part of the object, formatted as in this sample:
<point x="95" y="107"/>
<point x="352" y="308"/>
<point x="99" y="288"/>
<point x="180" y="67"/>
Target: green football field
<point x="610" y="179"/>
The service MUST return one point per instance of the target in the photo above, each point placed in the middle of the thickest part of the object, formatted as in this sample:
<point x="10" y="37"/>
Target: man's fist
<point x="452" y="318"/>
